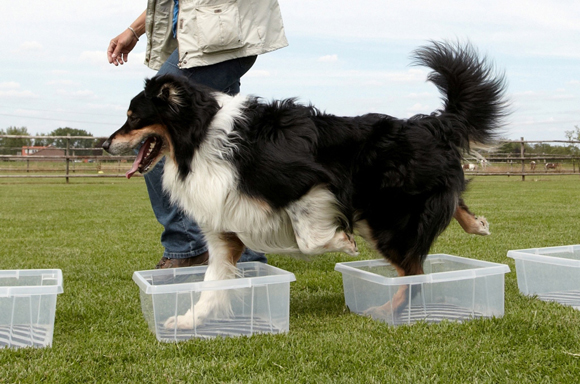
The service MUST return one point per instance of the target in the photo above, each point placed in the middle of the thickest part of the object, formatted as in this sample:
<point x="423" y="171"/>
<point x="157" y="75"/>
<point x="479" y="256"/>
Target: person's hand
<point x="120" y="46"/>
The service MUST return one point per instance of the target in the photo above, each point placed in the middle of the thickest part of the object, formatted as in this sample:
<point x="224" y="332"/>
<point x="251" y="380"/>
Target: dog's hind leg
<point x="475" y="225"/>
<point x="316" y="220"/>
<point x="404" y="240"/>
<point x="225" y="249"/>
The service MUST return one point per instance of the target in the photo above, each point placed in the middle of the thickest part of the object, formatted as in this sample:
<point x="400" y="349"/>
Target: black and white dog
<point x="283" y="177"/>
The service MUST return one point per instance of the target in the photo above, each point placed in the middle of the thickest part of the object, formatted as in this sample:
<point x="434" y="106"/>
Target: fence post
<point x="523" y="162"/>
<point x="67" y="155"/>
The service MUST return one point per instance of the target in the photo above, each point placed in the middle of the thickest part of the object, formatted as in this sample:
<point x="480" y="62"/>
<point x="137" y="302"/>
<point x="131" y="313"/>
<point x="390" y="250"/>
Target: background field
<point x="98" y="231"/>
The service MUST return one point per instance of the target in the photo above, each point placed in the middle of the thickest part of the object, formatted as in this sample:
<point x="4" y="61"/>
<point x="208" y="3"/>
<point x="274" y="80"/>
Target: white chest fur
<point x="211" y="196"/>
<point x="203" y="193"/>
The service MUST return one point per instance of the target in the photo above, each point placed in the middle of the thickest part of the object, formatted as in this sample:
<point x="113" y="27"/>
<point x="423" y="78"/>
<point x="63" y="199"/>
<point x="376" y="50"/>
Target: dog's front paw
<point x="180" y="322"/>
<point x="211" y="305"/>
<point x="192" y="319"/>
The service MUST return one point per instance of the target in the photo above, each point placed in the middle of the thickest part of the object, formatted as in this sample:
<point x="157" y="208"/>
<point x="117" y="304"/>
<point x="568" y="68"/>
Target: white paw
<point x="482" y="226"/>
<point x="211" y="305"/>
<point x="180" y="322"/>
<point x="344" y="242"/>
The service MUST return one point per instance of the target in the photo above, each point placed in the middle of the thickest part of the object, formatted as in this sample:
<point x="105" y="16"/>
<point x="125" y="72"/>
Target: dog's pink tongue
<point x="137" y="161"/>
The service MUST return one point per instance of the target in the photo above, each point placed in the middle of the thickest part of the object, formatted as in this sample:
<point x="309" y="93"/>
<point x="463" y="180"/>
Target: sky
<point x="345" y="57"/>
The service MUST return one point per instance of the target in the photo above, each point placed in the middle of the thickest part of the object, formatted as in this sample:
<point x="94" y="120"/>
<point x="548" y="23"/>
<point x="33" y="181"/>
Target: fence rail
<point x="68" y="165"/>
<point x="73" y="165"/>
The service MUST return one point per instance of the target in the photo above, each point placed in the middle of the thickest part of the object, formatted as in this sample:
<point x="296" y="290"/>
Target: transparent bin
<point x="452" y="288"/>
<point x="27" y="306"/>
<point x="259" y="296"/>
<point x="551" y="274"/>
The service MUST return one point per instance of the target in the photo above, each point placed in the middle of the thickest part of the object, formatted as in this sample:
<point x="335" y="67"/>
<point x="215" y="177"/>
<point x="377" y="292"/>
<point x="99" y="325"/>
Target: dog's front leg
<point x="225" y="249"/>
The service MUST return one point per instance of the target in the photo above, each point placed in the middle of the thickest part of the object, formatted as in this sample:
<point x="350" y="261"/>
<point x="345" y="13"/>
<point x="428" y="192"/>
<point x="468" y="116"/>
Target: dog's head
<point x="168" y="118"/>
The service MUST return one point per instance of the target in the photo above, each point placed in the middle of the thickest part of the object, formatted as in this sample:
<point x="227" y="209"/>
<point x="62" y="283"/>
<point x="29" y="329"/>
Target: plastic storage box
<point x="452" y="288"/>
<point x="27" y="306"/>
<point x="553" y="273"/>
<point x="260" y="300"/>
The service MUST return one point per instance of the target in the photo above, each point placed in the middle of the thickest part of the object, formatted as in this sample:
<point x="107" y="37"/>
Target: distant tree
<point x="11" y="146"/>
<point x="42" y="142"/>
<point x="547" y="149"/>
<point x="536" y="149"/>
<point x="573" y="135"/>
<point x="74" y="143"/>
<point x="513" y="147"/>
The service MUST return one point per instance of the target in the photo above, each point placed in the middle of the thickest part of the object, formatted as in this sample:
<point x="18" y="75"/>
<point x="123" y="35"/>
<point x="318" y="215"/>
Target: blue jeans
<point x="181" y="236"/>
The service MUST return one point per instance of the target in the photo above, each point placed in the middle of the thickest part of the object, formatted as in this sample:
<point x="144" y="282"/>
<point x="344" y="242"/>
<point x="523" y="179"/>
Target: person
<point x="209" y="42"/>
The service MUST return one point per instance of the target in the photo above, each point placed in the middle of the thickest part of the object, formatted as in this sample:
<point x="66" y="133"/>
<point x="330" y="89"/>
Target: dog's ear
<point x="164" y="89"/>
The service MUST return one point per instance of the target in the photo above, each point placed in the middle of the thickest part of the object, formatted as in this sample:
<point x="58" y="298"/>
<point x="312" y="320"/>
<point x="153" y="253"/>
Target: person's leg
<point x="182" y="239"/>
<point x="224" y="77"/>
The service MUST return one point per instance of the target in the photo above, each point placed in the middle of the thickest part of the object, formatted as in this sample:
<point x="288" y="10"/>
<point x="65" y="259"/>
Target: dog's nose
<point x="106" y="145"/>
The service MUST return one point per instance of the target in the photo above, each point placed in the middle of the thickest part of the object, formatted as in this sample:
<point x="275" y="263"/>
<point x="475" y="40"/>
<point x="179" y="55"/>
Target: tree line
<point x="8" y="146"/>
<point x="11" y="146"/>
<point x="544" y="148"/>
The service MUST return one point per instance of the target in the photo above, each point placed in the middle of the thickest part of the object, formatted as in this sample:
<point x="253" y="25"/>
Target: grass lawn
<point x="100" y="231"/>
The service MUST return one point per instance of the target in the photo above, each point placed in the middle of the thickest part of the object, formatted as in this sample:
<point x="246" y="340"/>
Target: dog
<point x="283" y="177"/>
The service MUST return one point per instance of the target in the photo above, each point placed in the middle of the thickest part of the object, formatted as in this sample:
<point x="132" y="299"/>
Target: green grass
<point x="100" y="231"/>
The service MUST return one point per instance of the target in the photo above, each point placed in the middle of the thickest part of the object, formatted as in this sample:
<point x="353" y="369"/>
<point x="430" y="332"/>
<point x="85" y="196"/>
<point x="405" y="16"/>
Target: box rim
<point x="281" y="276"/>
<point x="487" y="269"/>
<point x="13" y="290"/>
<point x="532" y="254"/>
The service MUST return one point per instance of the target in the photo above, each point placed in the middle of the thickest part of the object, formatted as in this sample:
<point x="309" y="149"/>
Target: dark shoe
<point x="185" y="262"/>
<point x="250" y="255"/>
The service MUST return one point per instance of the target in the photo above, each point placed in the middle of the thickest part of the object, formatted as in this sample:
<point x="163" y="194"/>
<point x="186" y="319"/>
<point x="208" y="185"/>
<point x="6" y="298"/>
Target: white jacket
<point x="212" y="31"/>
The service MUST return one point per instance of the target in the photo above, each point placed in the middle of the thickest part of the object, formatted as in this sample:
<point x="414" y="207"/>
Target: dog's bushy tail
<point x="473" y="93"/>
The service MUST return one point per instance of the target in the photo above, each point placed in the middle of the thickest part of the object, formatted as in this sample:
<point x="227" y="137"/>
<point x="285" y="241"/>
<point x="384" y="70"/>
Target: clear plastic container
<point x="551" y="274"/>
<point x="260" y="300"/>
<point x="452" y="288"/>
<point x="27" y="306"/>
